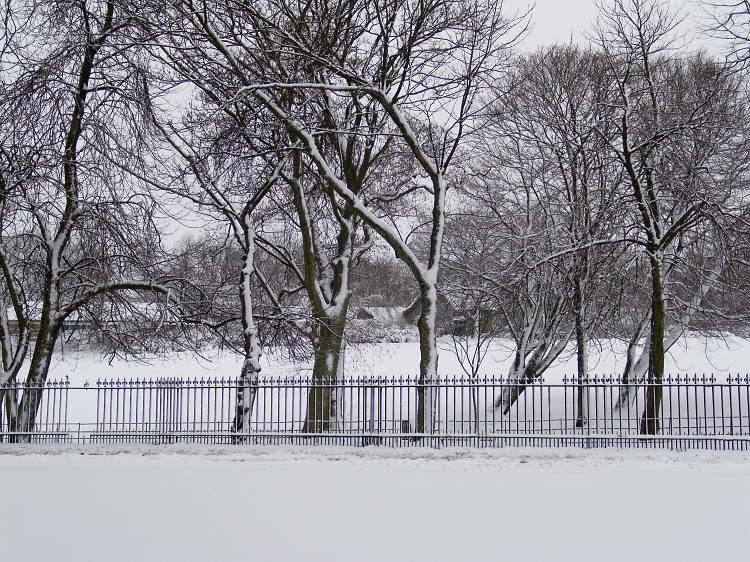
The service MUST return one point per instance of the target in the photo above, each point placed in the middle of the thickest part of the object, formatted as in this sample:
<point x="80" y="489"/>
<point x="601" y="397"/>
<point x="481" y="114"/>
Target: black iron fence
<point x="693" y="412"/>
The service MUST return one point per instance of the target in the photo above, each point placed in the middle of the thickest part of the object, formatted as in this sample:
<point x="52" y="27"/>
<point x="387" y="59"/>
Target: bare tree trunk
<point x="247" y="388"/>
<point x="426" y="387"/>
<point x="248" y="383"/>
<point x="652" y="406"/>
<point x="9" y="405"/>
<point x="10" y="399"/>
<point x="525" y="371"/>
<point x="513" y="390"/>
<point x="338" y="396"/>
<point x="634" y="368"/>
<point x="475" y="399"/>
<point x="582" y="357"/>
<point x="34" y="387"/>
<point x="12" y="356"/>
<point x="582" y="415"/>
<point x="322" y="396"/>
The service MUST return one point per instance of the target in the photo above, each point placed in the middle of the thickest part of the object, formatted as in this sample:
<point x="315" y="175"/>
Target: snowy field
<point x="689" y="355"/>
<point x="214" y="504"/>
<point x="549" y="409"/>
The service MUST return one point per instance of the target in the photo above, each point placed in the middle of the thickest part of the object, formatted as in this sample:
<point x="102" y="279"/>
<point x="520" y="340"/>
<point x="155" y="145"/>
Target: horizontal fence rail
<point x="693" y="412"/>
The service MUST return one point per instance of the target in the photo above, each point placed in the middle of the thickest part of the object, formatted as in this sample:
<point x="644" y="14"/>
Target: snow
<point x="369" y="504"/>
<point x="555" y="404"/>
<point x="689" y="355"/>
<point x="547" y="409"/>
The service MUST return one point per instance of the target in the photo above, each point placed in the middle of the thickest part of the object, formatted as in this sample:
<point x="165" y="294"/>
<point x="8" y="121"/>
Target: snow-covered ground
<point x="215" y="504"/>
<point x="690" y="355"/>
<point x="551" y="409"/>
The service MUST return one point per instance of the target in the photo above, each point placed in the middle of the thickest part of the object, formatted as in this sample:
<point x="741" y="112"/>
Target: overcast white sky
<point x="556" y="21"/>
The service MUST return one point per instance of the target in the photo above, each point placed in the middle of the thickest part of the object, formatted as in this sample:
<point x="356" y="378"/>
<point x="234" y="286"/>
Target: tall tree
<point x="674" y="133"/>
<point x="81" y="230"/>
<point x="227" y="180"/>
<point x="552" y="106"/>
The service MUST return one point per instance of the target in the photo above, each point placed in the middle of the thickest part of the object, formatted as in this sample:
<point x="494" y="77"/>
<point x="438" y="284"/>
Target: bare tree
<point x="551" y="106"/>
<point x="327" y="229"/>
<point x="81" y="231"/>
<point x="226" y="164"/>
<point x="729" y="21"/>
<point x="545" y="196"/>
<point x="674" y="135"/>
<point x="14" y="304"/>
<point x="15" y="170"/>
<point x="391" y="62"/>
<point x="503" y="250"/>
<point x="330" y="245"/>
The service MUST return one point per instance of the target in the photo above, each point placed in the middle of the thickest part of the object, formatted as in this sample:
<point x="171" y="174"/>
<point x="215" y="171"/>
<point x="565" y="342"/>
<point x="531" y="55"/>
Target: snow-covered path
<point x="268" y="504"/>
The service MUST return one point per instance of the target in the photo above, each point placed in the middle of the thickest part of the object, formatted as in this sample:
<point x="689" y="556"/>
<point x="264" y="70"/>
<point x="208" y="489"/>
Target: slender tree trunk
<point x="652" y="406"/>
<point x="338" y="397"/>
<point x="581" y="356"/>
<point x="9" y="402"/>
<point x="475" y="400"/>
<point x="634" y="368"/>
<point x="582" y="416"/>
<point x="426" y="387"/>
<point x="248" y="383"/>
<point x="247" y="388"/>
<point x="5" y="421"/>
<point x="9" y="398"/>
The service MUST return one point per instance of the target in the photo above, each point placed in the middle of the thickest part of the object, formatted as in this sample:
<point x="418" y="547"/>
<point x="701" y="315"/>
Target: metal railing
<point x="694" y="412"/>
